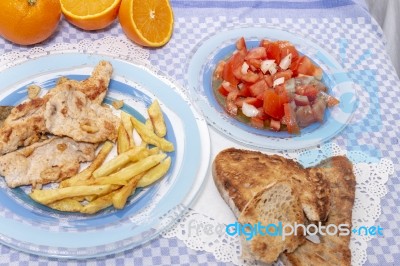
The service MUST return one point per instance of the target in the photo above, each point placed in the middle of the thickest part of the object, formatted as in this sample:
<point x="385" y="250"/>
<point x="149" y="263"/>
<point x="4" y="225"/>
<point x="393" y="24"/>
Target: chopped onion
<point x="286" y="62"/>
<point x="225" y="84"/>
<point x="272" y="70"/>
<point x="244" y="69"/>
<point x="265" y="65"/>
<point x="278" y="81"/>
<point x="290" y="85"/>
<point x="249" y="110"/>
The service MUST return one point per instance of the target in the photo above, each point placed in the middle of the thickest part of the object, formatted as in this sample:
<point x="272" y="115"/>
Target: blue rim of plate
<point x="206" y="55"/>
<point x="34" y="228"/>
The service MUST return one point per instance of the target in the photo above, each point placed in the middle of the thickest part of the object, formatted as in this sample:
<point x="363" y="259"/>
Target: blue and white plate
<point x="34" y="228"/>
<point x="214" y="48"/>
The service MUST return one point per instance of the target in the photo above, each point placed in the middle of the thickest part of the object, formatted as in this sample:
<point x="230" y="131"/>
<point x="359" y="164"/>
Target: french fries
<point x="155" y="173"/>
<point x="87" y="173"/>
<point x="157" y="119"/>
<point x="150" y="137"/>
<point x="123" y="140"/>
<point x="110" y="182"/>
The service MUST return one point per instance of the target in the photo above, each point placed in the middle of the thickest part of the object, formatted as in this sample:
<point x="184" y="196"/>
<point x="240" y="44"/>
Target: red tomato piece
<point x="244" y="91"/>
<point x="284" y="96"/>
<point x="257" y="122"/>
<point x="269" y="80"/>
<point x="307" y="67"/>
<point x="272" y="105"/>
<point x="274" y="52"/>
<point x="223" y="91"/>
<point x="258" y="88"/>
<point x="287" y="74"/>
<point x="308" y="90"/>
<point x="256" y="63"/>
<point x="288" y="48"/>
<point x="256" y="53"/>
<point x="254" y="101"/>
<point x="264" y="43"/>
<point x="290" y="119"/>
<point x="241" y="45"/>
<point x="249" y="77"/>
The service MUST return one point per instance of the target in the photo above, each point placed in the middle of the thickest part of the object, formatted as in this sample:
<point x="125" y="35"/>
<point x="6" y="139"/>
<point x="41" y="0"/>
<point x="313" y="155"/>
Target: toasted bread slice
<point x="240" y="174"/>
<point x="275" y="205"/>
<point x="333" y="250"/>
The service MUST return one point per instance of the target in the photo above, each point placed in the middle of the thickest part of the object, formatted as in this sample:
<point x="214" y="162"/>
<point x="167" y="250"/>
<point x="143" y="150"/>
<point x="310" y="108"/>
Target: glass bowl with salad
<point x="271" y="86"/>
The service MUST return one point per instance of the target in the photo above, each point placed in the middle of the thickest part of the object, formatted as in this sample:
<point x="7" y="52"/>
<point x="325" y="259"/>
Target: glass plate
<point x="214" y="48"/>
<point x="34" y="228"/>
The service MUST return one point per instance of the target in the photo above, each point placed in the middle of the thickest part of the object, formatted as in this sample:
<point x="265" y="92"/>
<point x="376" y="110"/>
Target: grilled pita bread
<point x="244" y="177"/>
<point x="333" y="250"/>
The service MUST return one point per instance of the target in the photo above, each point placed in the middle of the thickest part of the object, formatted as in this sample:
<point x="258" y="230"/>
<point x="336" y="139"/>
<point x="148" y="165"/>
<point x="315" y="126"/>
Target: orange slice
<point x="90" y="14"/>
<point x="147" y="22"/>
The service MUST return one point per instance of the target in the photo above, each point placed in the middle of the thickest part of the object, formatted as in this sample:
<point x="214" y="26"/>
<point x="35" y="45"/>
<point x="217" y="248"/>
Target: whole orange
<point x="28" y="22"/>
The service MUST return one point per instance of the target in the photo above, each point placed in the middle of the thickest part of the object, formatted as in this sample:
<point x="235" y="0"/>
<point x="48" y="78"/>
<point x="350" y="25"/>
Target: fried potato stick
<point x="121" y="196"/>
<point x="123" y="140"/>
<point x="118" y="162"/>
<point x="47" y="196"/>
<point x="98" y="204"/>
<point x="125" y="174"/>
<point x="126" y="121"/>
<point x="155" y="173"/>
<point x="157" y="119"/>
<point x="66" y="205"/>
<point x="150" y="137"/>
<point x="87" y="173"/>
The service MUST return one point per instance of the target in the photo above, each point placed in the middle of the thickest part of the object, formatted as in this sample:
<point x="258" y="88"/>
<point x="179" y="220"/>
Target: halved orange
<point x="147" y="22"/>
<point x="90" y="14"/>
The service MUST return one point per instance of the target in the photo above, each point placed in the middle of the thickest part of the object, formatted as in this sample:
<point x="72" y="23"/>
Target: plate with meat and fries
<point x="97" y="155"/>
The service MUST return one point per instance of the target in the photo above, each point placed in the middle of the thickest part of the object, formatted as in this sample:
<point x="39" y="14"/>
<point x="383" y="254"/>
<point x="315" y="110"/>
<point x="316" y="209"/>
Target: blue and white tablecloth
<point x="345" y="29"/>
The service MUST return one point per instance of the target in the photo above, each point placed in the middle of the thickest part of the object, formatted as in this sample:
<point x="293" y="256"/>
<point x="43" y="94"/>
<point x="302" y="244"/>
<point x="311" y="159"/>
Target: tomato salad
<point x="272" y="86"/>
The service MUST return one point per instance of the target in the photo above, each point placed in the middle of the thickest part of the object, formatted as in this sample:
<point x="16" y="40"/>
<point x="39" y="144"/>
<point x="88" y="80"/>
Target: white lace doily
<point x="119" y="47"/>
<point x="201" y="232"/>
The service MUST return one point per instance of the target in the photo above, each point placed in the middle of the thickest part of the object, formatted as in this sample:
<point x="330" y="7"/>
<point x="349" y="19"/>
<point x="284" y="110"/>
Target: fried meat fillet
<point x="333" y="249"/>
<point x="27" y="121"/>
<point x="43" y="162"/>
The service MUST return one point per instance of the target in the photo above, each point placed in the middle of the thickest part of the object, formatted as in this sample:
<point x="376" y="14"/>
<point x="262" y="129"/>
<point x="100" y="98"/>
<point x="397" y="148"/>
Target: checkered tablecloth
<point x="342" y="27"/>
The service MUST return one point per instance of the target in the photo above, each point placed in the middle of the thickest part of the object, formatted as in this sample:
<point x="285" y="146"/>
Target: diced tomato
<point x="235" y="63"/>
<point x="284" y="96"/>
<point x="256" y="53"/>
<point x="227" y="74"/>
<point x="264" y="43"/>
<point x="257" y="122"/>
<point x="261" y="114"/>
<point x="254" y="101"/>
<point x="241" y="45"/>
<point x="288" y="48"/>
<point x="258" y="88"/>
<point x="250" y="77"/>
<point x="307" y="67"/>
<point x="244" y="91"/>
<point x="268" y="79"/>
<point x="318" y="109"/>
<point x="219" y="69"/>
<point x="223" y="91"/>
<point x="231" y="107"/>
<point x="272" y="105"/>
<point x="301" y="100"/>
<point x="275" y="125"/>
<point x="274" y="52"/>
<point x="308" y="90"/>
<point x="290" y="119"/>
<point x="254" y="62"/>
<point x="294" y="65"/>
<point x="287" y="74"/>
<point x="331" y="101"/>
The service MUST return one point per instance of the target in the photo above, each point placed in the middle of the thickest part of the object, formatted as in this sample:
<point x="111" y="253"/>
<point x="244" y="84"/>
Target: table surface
<point x="342" y="27"/>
